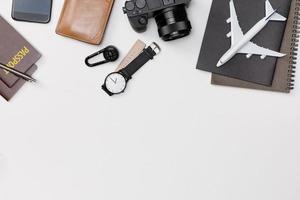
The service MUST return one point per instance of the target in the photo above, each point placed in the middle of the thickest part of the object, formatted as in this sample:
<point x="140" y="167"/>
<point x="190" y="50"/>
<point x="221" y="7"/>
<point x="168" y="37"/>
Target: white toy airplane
<point x="241" y="43"/>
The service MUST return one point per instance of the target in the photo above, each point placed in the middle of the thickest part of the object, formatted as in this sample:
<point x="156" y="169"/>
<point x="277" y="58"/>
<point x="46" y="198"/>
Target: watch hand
<point x="113" y="80"/>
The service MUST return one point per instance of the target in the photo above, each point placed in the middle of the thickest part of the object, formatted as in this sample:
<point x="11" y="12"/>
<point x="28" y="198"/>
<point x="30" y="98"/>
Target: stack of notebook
<point x="274" y="74"/>
<point x="17" y="53"/>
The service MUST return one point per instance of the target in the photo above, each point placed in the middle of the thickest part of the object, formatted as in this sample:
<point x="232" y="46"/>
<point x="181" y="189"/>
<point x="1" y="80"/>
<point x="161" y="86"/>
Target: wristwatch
<point x="116" y="82"/>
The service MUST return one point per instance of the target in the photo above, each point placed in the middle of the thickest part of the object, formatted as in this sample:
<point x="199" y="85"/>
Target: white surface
<point x="171" y="136"/>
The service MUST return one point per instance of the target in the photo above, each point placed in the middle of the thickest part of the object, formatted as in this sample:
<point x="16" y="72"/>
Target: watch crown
<point x="155" y="48"/>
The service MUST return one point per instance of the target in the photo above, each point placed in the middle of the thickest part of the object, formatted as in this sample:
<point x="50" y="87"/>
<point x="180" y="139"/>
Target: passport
<point x="15" y="52"/>
<point x="9" y="92"/>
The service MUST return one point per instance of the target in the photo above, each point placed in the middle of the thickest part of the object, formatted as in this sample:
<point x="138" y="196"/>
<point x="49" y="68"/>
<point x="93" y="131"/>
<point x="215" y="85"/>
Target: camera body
<point x="170" y="16"/>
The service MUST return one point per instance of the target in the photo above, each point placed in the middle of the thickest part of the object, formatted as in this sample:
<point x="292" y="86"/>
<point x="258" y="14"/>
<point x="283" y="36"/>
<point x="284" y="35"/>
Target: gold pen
<point x="17" y="73"/>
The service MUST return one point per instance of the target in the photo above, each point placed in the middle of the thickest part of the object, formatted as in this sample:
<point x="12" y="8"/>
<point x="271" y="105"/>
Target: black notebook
<point x="216" y="42"/>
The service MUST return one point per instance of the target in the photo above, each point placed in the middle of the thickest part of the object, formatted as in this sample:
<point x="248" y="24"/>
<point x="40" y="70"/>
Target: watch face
<point x="115" y="83"/>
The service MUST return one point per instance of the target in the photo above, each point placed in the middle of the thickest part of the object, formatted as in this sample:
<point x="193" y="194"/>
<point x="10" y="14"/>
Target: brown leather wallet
<point x="84" y="20"/>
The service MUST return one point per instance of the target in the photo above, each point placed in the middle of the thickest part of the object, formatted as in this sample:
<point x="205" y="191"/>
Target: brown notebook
<point x="15" y="52"/>
<point x="84" y="20"/>
<point x="8" y="92"/>
<point x="285" y="67"/>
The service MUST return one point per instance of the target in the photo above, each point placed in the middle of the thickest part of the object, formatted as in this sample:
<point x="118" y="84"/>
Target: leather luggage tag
<point x="84" y="20"/>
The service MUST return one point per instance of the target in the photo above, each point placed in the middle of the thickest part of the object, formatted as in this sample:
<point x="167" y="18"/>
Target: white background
<point x="171" y="136"/>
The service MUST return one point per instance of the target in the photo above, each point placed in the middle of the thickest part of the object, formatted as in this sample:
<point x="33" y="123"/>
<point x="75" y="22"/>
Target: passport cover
<point x="15" y="52"/>
<point x="285" y="68"/>
<point x="8" y="92"/>
<point x="215" y="42"/>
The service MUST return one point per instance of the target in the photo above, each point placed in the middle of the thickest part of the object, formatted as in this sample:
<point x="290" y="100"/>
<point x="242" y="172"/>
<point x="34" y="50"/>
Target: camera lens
<point x="173" y="23"/>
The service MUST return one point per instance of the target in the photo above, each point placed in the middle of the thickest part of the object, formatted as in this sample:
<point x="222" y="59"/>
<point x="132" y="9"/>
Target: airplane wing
<point x="251" y="48"/>
<point x="236" y="31"/>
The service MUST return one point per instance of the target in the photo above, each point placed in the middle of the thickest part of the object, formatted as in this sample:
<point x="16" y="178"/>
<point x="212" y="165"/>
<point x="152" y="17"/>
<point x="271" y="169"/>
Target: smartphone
<point x="32" y="10"/>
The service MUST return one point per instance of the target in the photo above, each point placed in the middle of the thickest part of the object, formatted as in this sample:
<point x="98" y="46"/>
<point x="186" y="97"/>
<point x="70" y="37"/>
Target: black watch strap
<point x="141" y="60"/>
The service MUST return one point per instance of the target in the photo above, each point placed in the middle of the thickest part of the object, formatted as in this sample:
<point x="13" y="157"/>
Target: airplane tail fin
<point x="272" y="14"/>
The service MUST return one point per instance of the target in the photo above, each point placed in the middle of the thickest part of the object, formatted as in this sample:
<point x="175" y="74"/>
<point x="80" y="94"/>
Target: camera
<point x="170" y="15"/>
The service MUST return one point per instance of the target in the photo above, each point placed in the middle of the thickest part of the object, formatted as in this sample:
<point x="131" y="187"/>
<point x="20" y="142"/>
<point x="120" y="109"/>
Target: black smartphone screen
<point x="32" y="10"/>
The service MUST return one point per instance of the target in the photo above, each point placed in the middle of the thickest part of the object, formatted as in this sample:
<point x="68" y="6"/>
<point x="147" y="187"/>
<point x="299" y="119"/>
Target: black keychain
<point x="110" y="54"/>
